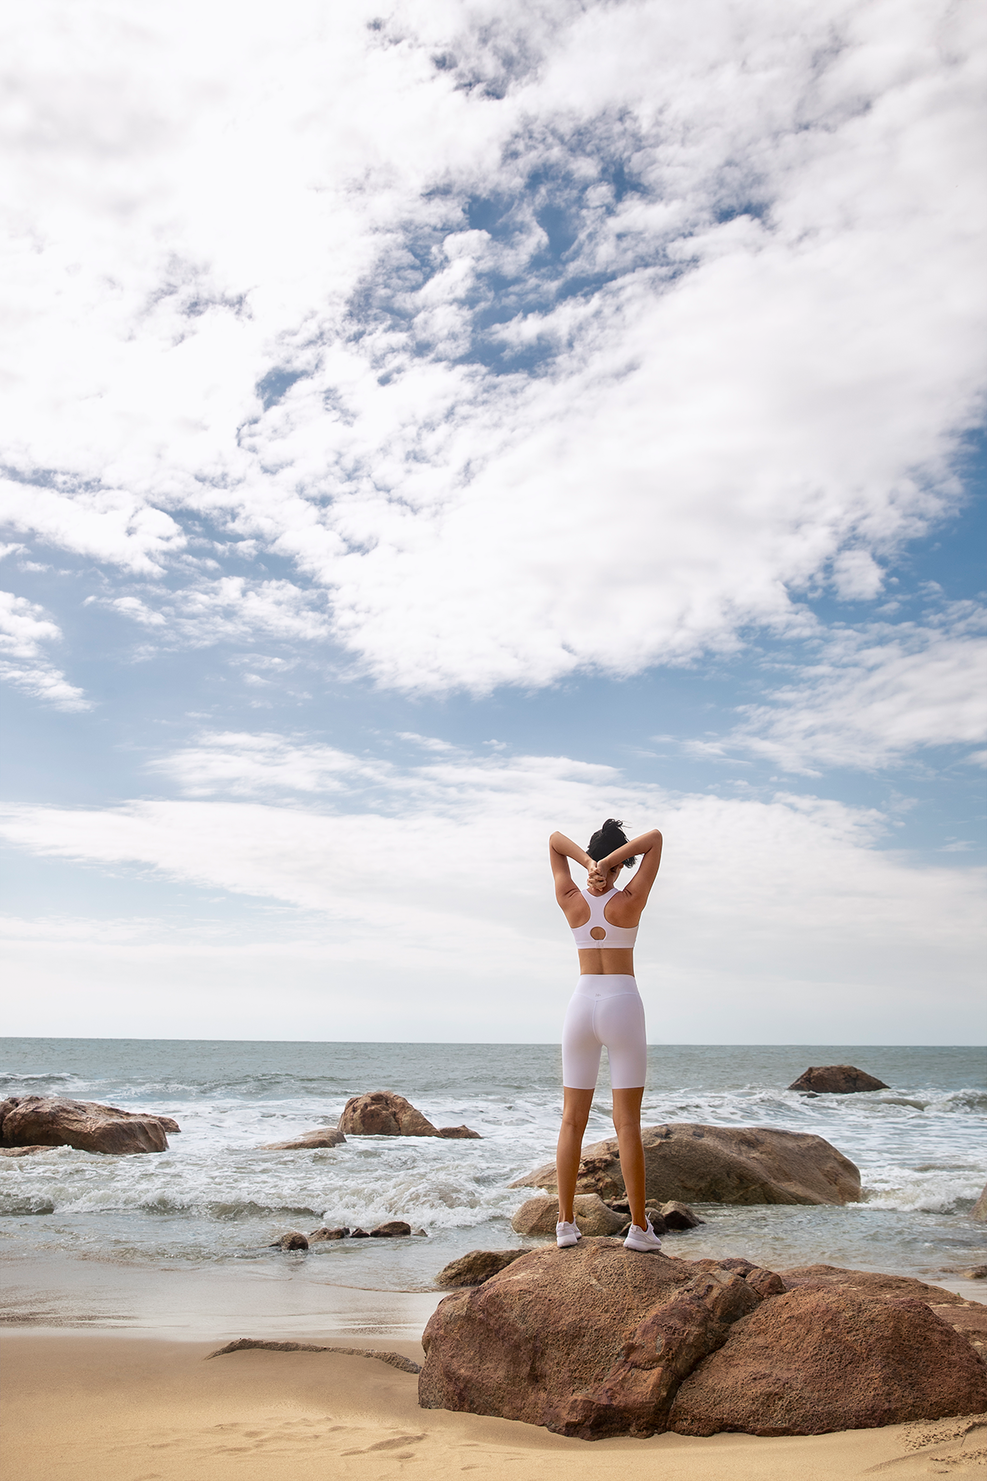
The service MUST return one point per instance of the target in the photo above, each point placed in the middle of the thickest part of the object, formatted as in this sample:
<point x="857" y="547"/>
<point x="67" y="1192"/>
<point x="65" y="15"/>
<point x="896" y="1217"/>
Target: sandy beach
<point x="109" y="1408"/>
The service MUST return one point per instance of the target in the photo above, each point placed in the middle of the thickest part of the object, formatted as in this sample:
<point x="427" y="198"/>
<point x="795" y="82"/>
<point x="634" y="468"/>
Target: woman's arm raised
<point x="648" y="845"/>
<point x="560" y="851"/>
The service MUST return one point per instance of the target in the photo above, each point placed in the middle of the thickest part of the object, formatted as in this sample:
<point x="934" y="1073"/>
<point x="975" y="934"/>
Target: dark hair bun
<point x="606" y="839"/>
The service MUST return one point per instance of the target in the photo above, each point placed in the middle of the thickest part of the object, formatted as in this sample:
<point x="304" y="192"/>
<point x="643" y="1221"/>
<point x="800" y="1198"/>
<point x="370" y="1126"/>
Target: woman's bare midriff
<point x="616" y="961"/>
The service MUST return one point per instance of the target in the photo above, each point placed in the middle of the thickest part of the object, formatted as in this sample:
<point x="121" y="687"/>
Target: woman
<point x="606" y="1008"/>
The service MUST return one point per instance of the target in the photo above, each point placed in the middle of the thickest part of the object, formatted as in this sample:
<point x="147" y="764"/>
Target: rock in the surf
<point x="592" y="1216"/>
<point x="382" y="1113"/>
<point x="459" y="1134"/>
<point x="88" y="1126"/>
<point x="21" y="1151"/>
<point x="817" y="1360"/>
<point x="719" y="1164"/>
<point x="322" y="1136"/>
<point x="588" y="1341"/>
<point x="320" y="1236"/>
<point x="476" y="1267"/>
<point x="979" y="1210"/>
<point x="836" y="1079"/>
<point x="391" y="1229"/>
<point x="677" y="1216"/>
<point x="292" y="1241"/>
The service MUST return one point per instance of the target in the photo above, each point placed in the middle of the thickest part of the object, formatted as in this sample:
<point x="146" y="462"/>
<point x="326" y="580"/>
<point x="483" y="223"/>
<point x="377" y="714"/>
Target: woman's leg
<point x="575" y="1113"/>
<point x="627" y="1120"/>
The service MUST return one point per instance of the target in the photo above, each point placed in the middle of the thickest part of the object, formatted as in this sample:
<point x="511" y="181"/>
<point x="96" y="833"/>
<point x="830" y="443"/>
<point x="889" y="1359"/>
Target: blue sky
<point x="434" y="425"/>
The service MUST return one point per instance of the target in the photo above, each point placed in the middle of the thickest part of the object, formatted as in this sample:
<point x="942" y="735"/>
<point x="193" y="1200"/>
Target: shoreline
<point x="125" y="1408"/>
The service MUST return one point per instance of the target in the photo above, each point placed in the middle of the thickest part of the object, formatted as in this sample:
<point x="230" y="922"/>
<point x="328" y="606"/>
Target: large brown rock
<point x="322" y="1136"/>
<point x="382" y="1113"/>
<point x="815" y="1360"/>
<point x="719" y="1164"/>
<point x="588" y="1341"/>
<point x="51" y="1121"/>
<point x="837" y="1079"/>
<point x="596" y="1340"/>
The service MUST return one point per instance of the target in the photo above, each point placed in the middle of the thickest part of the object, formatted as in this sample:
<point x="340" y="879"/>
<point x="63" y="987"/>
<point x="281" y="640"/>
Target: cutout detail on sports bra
<point x="598" y="933"/>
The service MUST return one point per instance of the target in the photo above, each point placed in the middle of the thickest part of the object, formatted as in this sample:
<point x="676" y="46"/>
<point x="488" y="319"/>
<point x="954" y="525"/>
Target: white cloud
<point x="773" y="921"/>
<point x="254" y="764"/>
<point x="876" y="697"/>
<point x="229" y="608"/>
<point x="24" y="628"/>
<point x="754" y="365"/>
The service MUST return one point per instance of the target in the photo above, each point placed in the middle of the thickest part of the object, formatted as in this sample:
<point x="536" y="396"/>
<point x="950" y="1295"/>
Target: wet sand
<point x="120" y="1408"/>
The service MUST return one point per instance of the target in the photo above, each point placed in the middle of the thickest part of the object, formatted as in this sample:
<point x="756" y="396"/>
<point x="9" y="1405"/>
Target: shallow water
<point x="214" y="1201"/>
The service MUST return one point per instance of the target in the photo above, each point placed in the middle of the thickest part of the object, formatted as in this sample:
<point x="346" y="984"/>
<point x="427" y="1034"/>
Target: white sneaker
<point x="642" y="1239"/>
<point x="566" y="1235"/>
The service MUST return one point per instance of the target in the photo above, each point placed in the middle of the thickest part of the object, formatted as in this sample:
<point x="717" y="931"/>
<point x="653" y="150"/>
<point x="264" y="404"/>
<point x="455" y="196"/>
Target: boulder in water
<point x="837" y="1079"/>
<point x="382" y="1113"/>
<point x="53" y="1121"/>
<point x="719" y="1164"/>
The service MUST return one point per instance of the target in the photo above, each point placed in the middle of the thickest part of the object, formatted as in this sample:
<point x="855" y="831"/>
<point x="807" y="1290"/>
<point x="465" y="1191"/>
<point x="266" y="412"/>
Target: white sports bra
<point x="614" y="935"/>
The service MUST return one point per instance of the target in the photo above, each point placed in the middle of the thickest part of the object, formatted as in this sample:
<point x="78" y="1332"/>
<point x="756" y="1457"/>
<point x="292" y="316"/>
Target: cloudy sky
<point x="429" y="424"/>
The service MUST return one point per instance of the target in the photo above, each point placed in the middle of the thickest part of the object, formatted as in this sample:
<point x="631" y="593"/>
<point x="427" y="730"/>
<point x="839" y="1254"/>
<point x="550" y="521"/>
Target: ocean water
<point x="212" y="1205"/>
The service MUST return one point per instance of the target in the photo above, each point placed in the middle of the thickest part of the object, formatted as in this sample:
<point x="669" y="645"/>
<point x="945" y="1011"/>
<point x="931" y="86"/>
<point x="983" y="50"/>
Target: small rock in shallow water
<point x="293" y="1241"/>
<point x="359" y="1234"/>
<point x="322" y="1136"/>
<point x="476" y="1267"/>
<point x="459" y="1133"/>
<point x="391" y="1229"/>
<point x="319" y="1236"/>
<point x="679" y="1216"/>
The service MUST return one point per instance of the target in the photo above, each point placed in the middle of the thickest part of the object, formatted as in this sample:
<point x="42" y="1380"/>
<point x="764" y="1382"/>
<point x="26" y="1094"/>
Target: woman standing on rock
<point x="606" y="1008"/>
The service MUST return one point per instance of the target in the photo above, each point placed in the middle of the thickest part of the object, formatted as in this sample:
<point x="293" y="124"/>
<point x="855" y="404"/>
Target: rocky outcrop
<point x="322" y="1136"/>
<point x="88" y="1126"/>
<point x="979" y="1210"/>
<point x="596" y="1340"/>
<point x="812" y="1361"/>
<point x="592" y="1216"/>
<point x="837" y="1079"/>
<point x="476" y="1267"/>
<point x="719" y="1164"/>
